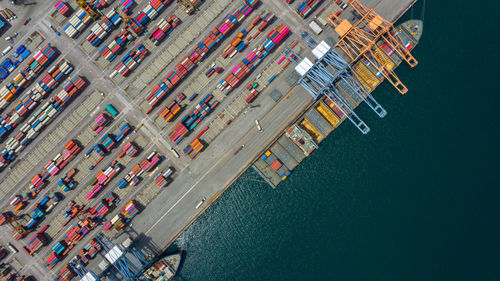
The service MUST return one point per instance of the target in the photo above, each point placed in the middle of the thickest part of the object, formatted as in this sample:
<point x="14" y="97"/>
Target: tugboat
<point x="164" y="269"/>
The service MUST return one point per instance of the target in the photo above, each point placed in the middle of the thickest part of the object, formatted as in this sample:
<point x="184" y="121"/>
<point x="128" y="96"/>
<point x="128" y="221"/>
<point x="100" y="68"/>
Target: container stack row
<point x="163" y="29"/>
<point x="54" y="166"/>
<point x="100" y="4"/>
<point x="77" y="23"/>
<point x="102" y="178"/>
<point x="134" y="176"/>
<point x="66" y="273"/>
<point x="202" y="49"/>
<point x="149" y="13"/>
<point x="130" y="210"/>
<point x="163" y="179"/>
<point x="63" y="8"/>
<point x="130" y="61"/>
<point x="173" y="108"/>
<point x="34" y="96"/>
<point x="116" y="46"/>
<point x="40" y="119"/>
<point x="307" y="7"/>
<point x="40" y="60"/>
<point x="127" y="6"/>
<point x="101" y="29"/>
<point x="101" y="121"/>
<point x="192" y="119"/>
<point x="244" y="37"/>
<point x="254" y="58"/>
<point x="194" y="148"/>
<point x="129" y="149"/>
<point x="36" y="242"/>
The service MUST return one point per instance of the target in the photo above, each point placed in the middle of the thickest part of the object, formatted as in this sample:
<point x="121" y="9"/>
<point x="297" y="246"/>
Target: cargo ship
<point x="164" y="269"/>
<point x="303" y="137"/>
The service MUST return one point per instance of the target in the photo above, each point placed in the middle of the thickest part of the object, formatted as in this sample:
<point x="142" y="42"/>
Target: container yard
<point x="122" y="121"/>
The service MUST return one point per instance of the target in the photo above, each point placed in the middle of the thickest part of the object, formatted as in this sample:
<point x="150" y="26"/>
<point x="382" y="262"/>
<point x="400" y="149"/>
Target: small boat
<point x="164" y="269"/>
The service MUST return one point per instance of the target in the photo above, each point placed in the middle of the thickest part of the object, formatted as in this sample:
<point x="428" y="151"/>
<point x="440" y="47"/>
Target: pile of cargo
<point x="244" y="38"/>
<point x="40" y="119"/>
<point x="102" y="178"/>
<point x="178" y="132"/>
<point x="66" y="183"/>
<point x="130" y="210"/>
<point x="194" y="148"/>
<point x="278" y="167"/>
<point x="129" y="149"/>
<point x="63" y="8"/>
<point x="22" y="80"/>
<point x="147" y="165"/>
<point x="163" y="179"/>
<point x="162" y="29"/>
<point x="30" y="101"/>
<point x="173" y="108"/>
<point x="307" y="7"/>
<point x="253" y="92"/>
<point x="117" y="223"/>
<point x="71" y="212"/>
<point x="100" y="4"/>
<point x="37" y="183"/>
<point x="7" y="67"/>
<point x="130" y="61"/>
<point x="89" y="251"/>
<point x="101" y="29"/>
<point x="200" y="52"/>
<point x="101" y="121"/>
<point x="128" y="5"/>
<point x="125" y="129"/>
<point x="103" y="207"/>
<point x="36" y="242"/>
<point x="240" y="71"/>
<point x="72" y="237"/>
<point x="149" y="13"/>
<point x="4" y="217"/>
<point x="213" y="70"/>
<point x="116" y="46"/>
<point x="77" y="23"/>
<point x="66" y="273"/>
<point x="52" y="168"/>
<point x="202" y="109"/>
<point x="22" y="53"/>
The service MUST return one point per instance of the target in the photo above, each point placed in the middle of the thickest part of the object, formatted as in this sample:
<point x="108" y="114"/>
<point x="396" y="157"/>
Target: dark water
<point x="416" y="199"/>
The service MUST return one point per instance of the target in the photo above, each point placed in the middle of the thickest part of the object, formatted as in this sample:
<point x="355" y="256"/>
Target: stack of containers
<point x="178" y="132"/>
<point x="202" y="49"/>
<point x="192" y="119"/>
<point x="307" y="7"/>
<point x="63" y="8"/>
<point x="66" y="273"/>
<point x="244" y="38"/>
<point x="77" y="23"/>
<point x="36" y="242"/>
<point x="66" y="182"/>
<point x="133" y="177"/>
<point x="40" y="60"/>
<point x="116" y="46"/>
<point x="129" y="149"/>
<point x="32" y="98"/>
<point x="101" y="29"/>
<point x="102" y="178"/>
<point x="117" y="223"/>
<point x="125" y="129"/>
<point x="173" y="108"/>
<point x="130" y="210"/>
<point x="71" y="212"/>
<point x="52" y="168"/>
<point x="128" y="5"/>
<point x="162" y="29"/>
<point x="101" y="4"/>
<point x="102" y="208"/>
<point x="194" y="148"/>
<point x="162" y="178"/>
<point x="108" y="141"/>
<point x="130" y="61"/>
<point x="52" y="260"/>
<point x="101" y="121"/>
<point x="149" y="13"/>
<point x="254" y="58"/>
<point x="40" y="119"/>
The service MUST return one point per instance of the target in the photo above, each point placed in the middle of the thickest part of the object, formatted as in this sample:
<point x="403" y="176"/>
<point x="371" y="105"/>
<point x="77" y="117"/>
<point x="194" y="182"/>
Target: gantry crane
<point x="190" y="5"/>
<point x="86" y="7"/>
<point x="13" y="221"/>
<point x="359" y="40"/>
